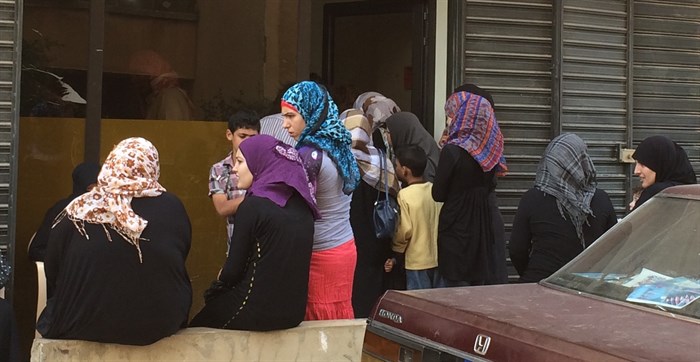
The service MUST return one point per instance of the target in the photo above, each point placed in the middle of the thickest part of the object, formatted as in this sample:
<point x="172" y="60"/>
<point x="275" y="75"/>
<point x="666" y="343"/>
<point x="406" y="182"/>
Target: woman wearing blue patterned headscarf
<point x="311" y="117"/>
<point x="328" y="134"/>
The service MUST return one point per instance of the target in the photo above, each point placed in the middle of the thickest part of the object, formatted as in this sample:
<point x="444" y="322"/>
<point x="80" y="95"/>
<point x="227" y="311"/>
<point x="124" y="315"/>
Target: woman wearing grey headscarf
<point x="405" y="129"/>
<point x="562" y="214"/>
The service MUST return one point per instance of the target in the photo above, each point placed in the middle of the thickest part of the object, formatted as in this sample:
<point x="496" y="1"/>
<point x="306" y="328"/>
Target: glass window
<point x="651" y="258"/>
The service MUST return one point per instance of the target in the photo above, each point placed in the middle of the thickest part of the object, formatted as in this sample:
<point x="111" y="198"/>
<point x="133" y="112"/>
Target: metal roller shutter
<point x="9" y="84"/>
<point x="594" y="86"/>
<point x="667" y="73"/>
<point x="507" y="51"/>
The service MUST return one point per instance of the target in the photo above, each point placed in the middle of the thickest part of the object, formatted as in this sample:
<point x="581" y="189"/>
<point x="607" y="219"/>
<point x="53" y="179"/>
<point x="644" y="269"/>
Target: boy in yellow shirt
<point x="415" y="240"/>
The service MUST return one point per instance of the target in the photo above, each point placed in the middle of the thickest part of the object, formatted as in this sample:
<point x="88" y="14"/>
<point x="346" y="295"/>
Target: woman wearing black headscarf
<point x="84" y="178"/>
<point x="661" y="163"/>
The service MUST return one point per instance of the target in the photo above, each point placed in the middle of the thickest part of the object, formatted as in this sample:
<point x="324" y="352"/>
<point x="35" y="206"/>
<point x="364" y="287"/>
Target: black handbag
<point x="215" y="290"/>
<point x="386" y="210"/>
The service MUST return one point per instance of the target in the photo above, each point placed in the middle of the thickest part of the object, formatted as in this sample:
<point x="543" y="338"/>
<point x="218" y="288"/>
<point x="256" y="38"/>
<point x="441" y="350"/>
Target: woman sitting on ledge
<point x="116" y="256"/>
<point x="263" y="284"/>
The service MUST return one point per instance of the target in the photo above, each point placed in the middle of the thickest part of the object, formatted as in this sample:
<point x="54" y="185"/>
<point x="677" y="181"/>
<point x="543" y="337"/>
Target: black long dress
<point x="471" y="238"/>
<point x="542" y="241"/>
<point x="103" y="293"/>
<point x="370" y="280"/>
<point x="267" y="268"/>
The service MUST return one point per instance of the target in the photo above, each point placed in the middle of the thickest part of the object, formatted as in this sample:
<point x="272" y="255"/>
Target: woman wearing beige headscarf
<point x="371" y="252"/>
<point x="378" y="108"/>
<point x="116" y="256"/>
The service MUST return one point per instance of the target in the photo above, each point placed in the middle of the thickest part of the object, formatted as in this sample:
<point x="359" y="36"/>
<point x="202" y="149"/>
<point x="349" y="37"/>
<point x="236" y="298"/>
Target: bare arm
<point x="225" y="207"/>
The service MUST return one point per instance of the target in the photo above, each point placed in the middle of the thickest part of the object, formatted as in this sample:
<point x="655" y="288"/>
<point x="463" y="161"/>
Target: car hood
<point x="530" y="321"/>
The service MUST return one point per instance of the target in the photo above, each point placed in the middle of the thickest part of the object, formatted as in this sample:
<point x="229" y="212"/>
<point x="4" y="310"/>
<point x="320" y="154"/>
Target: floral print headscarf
<point x="131" y="170"/>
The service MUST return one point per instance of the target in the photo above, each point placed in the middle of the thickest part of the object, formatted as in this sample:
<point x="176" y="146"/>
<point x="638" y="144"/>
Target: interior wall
<point x="230" y="49"/>
<point x="222" y="52"/>
<point x="316" y="39"/>
<point x="365" y="63"/>
<point x="68" y="31"/>
<point x="282" y="26"/>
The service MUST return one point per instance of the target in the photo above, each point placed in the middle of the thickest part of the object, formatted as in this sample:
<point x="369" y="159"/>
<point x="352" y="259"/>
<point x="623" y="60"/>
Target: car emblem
<point x="394" y="317"/>
<point x="481" y="344"/>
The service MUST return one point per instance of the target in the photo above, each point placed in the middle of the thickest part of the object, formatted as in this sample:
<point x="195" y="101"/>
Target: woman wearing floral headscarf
<point x="263" y="284"/>
<point x="562" y="214"/>
<point x="116" y="256"/>
<point x="311" y="117"/>
<point x="471" y="248"/>
<point x="369" y="282"/>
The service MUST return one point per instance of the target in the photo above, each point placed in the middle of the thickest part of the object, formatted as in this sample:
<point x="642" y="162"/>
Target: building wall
<point x="49" y="148"/>
<point x="613" y="72"/>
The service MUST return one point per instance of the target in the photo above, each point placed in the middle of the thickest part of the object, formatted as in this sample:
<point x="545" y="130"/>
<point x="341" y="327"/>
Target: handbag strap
<point x="383" y="173"/>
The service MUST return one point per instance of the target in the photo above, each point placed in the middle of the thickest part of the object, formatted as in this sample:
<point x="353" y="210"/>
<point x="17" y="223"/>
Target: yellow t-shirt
<point x="416" y="234"/>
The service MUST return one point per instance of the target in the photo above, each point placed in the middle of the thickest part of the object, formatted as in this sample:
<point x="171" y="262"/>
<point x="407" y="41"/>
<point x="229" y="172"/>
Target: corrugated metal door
<point x="9" y="85"/>
<point x="667" y="73"/>
<point x="507" y="50"/>
<point x="594" y="76"/>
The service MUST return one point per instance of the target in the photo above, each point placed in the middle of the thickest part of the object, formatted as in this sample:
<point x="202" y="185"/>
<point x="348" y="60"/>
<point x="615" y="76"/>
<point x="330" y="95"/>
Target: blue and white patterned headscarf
<point x="309" y="99"/>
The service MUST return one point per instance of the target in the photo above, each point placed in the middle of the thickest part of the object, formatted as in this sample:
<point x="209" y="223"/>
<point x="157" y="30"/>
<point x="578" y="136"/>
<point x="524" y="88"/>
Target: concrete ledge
<point x="337" y="340"/>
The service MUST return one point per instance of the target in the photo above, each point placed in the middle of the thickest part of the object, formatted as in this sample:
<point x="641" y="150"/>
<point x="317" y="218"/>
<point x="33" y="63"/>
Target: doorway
<point x="379" y="46"/>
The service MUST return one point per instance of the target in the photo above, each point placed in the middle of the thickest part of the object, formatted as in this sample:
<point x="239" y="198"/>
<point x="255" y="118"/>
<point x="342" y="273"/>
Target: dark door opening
<point x="380" y="46"/>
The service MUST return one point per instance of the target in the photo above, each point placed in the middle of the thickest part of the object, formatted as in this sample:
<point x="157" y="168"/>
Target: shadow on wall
<point x="49" y="149"/>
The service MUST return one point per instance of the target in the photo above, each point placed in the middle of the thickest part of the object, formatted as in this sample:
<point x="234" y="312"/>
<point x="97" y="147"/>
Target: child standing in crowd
<point x="416" y="236"/>
<point x="223" y="188"/>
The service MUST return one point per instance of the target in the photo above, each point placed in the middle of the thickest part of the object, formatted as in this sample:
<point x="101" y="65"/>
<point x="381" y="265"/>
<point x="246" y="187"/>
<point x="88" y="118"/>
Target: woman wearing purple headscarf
<point x="264" y="283"/>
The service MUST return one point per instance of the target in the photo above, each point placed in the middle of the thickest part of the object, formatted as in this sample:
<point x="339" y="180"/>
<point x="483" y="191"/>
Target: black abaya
<point x="103" y="293"/>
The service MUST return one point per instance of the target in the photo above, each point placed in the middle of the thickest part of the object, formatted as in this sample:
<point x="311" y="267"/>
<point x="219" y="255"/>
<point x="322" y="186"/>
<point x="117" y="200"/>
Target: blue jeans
<point x="423" y="279"/>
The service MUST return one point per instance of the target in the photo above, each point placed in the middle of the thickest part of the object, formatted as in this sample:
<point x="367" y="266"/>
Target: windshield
<point x="651" y="258"/>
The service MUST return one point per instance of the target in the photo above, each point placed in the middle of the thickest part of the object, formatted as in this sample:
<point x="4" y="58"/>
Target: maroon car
<point x="631" y="296"/>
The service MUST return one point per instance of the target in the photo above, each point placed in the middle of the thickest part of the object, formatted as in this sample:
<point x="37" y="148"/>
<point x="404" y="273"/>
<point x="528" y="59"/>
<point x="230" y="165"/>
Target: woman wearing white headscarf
<point x="370" y="282"/>
<point x="116" y="256"/>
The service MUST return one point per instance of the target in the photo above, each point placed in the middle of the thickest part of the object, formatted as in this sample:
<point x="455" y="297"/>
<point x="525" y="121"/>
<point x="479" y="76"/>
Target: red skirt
<point x="330" y="283"/>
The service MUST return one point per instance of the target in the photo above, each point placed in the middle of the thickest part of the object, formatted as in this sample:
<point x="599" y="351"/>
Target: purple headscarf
<point x="277" y="171"/>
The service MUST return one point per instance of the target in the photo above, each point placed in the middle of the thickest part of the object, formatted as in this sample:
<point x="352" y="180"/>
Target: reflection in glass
<point x="651" y="258"/>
